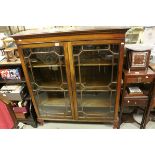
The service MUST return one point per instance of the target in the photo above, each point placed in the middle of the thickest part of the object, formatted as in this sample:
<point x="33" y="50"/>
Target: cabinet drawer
<point x="135" y="102"/>
<point x="140" y="79"/>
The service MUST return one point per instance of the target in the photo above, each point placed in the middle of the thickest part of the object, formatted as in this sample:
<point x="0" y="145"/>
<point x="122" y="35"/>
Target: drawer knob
<point x="128" y="101"/>
<point x="147" y="77"/>
<point x="135" y="103"/>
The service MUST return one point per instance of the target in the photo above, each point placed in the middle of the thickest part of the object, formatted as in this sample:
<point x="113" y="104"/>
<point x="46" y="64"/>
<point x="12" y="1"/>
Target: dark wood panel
<point x="140" y="79"/>
<point x="71" y="38"/>
<point x="135" y="102"/>
<point x="69" y="79"/>
<point x="73" y="81"/>
<point x="119" y="78"/>
<point x="39" y="33"/>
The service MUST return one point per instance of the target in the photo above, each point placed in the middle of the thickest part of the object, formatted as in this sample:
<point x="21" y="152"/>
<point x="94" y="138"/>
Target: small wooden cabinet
<point x="144" y="81"/>
<point x="74" y="76"/>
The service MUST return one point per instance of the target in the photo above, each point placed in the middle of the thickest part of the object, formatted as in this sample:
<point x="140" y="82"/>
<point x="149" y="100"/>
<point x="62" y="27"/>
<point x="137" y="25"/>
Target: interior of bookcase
<point x="95" y="73"/>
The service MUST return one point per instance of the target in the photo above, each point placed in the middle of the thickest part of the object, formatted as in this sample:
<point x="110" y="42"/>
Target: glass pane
<point x="91" y="75"/>
<point x="45" y="56"/>
<point x="51" y="77"/>
<point x="46" y="67"/>
<point x="53" y="103"/>
<point x="96" y="69"/>
<point x="96" y="103"/>
<point x="47" y="73"/>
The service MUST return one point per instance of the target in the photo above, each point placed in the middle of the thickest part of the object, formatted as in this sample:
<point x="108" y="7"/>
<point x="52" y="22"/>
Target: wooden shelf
<point x="83" y="63"/>
<point x="53" y="86"/>
<point x="4" y="62"/>
<point x="13" y="81"/>
<point x="103" y="115"/>
<point x="96" y="63"/>
<point x="96" y="101"/>
<point x="143" y="96"/>
<point x="56" y="102"/>
<point x="105" y="89"/>
<point x="44" y="66"/>
<point x="41" y="65"/>
<point x="95" y="86"/>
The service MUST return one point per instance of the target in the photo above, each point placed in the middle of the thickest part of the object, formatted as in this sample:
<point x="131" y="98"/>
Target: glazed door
<point x="47" y="69"/>
<point x="95" y="68"/>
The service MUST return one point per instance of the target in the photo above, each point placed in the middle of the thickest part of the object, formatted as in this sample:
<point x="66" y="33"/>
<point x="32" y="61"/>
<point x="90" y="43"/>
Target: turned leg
<point x="116" y="124"/>
<point x="40" y="121"/>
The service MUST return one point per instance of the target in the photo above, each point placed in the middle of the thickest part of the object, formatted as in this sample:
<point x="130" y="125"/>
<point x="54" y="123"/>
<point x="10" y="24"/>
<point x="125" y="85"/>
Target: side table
<point x="144" y="81"/>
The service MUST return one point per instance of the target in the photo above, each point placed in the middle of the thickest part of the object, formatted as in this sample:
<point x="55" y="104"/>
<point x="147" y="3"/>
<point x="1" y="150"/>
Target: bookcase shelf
<point x="31" y="115"/>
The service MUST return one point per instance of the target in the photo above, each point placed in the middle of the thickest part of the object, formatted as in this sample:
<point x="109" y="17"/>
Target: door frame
<point x="25" y="70"/>
<point x="119" y="72"/>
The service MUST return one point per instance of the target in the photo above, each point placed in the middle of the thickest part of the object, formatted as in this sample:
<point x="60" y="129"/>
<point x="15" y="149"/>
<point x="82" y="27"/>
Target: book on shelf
<point x="134" y="91"/>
